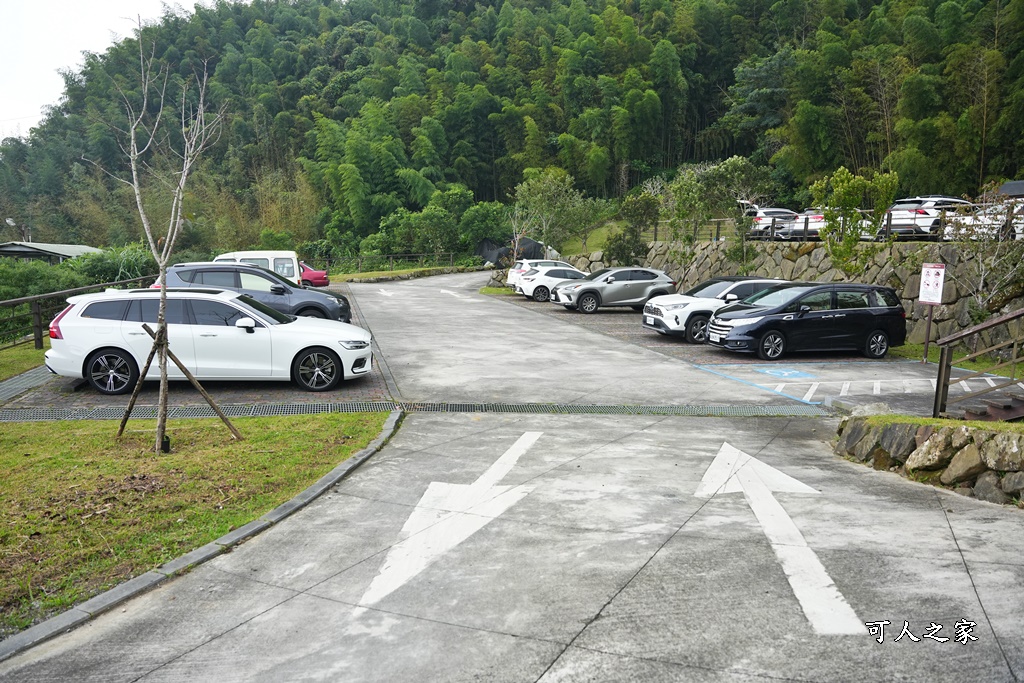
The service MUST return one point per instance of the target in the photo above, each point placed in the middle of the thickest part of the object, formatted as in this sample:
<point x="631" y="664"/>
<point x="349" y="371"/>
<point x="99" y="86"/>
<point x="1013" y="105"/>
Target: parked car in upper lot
<point x="284" y="263"/>
<point x="687" y="314"/>
<point x="536" y="283"/>
<point x="766" y="221"/>
<point x="921" y="217"/>
<point x="311" y="277"/>
<point x="1002" y="220"/>
<point x="216" y="334"/>
<point x="263" y="285"/>
<point x="807" y="226"/>
<point x="629" y="286"/>
<point x="523" y="265"/>
<point x="810" y="316"/>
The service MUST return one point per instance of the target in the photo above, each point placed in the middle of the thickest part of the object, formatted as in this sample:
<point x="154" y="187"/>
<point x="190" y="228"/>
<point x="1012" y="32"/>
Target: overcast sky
<point x="38" y="38"/>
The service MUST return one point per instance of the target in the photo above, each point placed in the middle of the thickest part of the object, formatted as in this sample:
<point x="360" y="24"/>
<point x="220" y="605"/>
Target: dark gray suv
<point x="263" y="285"/>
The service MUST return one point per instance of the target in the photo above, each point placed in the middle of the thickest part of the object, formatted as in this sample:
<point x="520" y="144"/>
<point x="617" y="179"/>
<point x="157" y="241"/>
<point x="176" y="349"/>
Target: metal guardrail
<point x="30" y="315"/>
<point x="946" y="362"/>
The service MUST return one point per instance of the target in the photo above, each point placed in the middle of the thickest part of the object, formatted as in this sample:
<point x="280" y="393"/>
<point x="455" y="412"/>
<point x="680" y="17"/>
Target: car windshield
<point x="709" y="289"/>
<point x="597" y="273"/>
<point x="778" y="295"/>
<point x="269" y="314"/>
<point x="905" y="206"/>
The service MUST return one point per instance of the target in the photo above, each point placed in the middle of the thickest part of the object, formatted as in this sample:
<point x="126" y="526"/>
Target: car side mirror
<point x="610" y="278"/>
<point x="277" y="289"/>
<point x="804" y="309"/>
<point x="246" y="323"/>
<point x="731" y="297"/>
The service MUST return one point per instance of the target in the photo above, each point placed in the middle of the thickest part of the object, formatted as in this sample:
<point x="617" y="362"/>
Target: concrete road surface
<point x="503" y="547"/>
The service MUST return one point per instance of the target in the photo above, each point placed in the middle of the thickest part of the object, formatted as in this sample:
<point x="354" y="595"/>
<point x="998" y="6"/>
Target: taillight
<point x="55" y="326"/>
<point x="920" y="212"/>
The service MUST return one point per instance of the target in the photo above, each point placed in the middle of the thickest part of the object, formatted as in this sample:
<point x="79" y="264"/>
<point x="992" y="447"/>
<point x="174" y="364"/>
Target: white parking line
<point x="810" y="392"/>
<point x="991" y="382"/>
<point x="878" y="388"/>
<point x="845" y="390"/>
<point x="965" y="386"/>
<point x="779" y="388"/>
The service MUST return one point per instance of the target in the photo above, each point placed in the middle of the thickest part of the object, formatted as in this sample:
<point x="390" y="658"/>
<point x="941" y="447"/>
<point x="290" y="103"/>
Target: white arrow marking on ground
<point x="439" y="522"/>
<point x="455" y="294"/>
<point x="385" y="293"/>
<point x="824" y="606"/>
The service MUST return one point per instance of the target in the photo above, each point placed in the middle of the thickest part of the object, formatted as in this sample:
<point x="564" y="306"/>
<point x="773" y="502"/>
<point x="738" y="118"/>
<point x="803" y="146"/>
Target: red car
<point x="313" y="278"/>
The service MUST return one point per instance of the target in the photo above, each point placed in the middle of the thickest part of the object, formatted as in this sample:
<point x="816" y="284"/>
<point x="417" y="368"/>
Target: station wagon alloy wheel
<point x="111" y="372"/>
<point x="317" y="370"/>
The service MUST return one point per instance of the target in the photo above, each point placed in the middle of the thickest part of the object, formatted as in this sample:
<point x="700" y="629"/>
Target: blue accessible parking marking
<point x="786" y="373"/>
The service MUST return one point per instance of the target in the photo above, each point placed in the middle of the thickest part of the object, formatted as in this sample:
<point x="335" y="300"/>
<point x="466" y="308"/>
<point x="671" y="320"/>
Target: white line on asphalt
<point x="934" y="383"/>
<point x="385" y="292"/>
<point x="779" y="388"/>
<point x="438" y="523"/>
<point x="908" y="387"/>
<point x="845" y="390"/>
<point x="991" y="382"/>
<point x="965" y="386"/>
<point x="732" y="470"/>
<point x="810" y="392"/>
<point x="878" y="388"/>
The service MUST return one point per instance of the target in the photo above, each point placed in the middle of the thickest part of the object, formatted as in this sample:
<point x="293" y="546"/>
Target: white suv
<point x="523" y="265"/>
<point x="922" y="217"/>
<point x="688" y="313"/>
<point x="537" y="283"/>
<point x="217" y="335"/>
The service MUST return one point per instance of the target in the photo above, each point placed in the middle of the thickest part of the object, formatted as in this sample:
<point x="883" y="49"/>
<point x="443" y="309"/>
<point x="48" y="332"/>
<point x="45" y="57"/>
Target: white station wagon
<point x="217" y="335"/>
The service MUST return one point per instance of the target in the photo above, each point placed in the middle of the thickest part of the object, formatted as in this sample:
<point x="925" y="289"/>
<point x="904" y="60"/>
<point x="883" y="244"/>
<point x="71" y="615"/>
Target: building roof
<point x="1014" y="188"/>
<point x="28" y="249"/>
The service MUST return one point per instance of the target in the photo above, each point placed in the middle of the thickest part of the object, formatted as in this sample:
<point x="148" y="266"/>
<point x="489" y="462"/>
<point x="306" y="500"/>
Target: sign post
<point x="933" y="276"/>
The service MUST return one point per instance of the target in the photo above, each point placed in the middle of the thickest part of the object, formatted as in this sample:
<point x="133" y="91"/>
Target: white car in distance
<point x="687" y="314"/>
<point x="523" y="265"/>
<point x="537" y="283"/>
<point x="217" y="335"/>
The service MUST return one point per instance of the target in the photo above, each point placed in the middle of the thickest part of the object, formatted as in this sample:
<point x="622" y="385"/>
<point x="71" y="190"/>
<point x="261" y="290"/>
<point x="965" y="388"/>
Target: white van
<point x="284" y="263"/>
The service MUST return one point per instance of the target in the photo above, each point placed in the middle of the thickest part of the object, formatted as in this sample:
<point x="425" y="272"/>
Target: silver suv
<point x="613" y="287"/>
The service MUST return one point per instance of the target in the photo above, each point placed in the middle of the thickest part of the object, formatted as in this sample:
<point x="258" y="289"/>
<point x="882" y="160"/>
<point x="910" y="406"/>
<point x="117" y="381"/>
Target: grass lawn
<point x="595" y="241"/>
<point x="498" y="291"/>
<point x="82" y="512"/>
<point x="15" y="360"/>
<point x="916" y="352"/>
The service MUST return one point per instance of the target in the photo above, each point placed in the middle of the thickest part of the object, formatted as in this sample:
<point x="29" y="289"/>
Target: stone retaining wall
<point x="896" y="265"/>
<point x="974" y="462"/>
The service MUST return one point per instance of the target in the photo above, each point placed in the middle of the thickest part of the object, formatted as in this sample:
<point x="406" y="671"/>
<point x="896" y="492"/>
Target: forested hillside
<point x="341" y="114"/>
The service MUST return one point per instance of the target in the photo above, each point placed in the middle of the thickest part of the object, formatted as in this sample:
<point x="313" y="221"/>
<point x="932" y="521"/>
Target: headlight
<point x="740" y="322"/>
<point x="572" y="287"/>
<point x="354" y="345"/>
<point x="671" y="307"/>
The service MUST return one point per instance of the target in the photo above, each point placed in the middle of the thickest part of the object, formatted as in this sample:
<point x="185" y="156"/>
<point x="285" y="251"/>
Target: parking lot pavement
<point x="582" y="548"/>
<point x="816" y="378"/>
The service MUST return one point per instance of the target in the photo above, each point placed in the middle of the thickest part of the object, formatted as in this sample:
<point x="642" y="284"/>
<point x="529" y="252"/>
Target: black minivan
<point x="811" y="316"/>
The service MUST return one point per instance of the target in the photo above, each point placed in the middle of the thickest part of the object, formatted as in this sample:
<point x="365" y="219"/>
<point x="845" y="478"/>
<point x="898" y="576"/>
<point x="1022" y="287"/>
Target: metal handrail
<point x="35" y="303"/>
<point x="943" y="381"/>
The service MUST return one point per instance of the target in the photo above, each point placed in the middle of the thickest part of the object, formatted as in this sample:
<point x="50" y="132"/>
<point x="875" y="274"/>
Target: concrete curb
<point x="103" y="602"/>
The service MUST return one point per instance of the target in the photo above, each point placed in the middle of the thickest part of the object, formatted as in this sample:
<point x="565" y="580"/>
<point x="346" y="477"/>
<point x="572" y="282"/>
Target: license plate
<point x="650" y="320"/>
<point x="714" y="337"/>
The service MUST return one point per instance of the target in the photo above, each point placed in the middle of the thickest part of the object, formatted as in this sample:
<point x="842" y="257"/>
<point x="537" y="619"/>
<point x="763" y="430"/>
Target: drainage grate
<point x="270" y="409"/>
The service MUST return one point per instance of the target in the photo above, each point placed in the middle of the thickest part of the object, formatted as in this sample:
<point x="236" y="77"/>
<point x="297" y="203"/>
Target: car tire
<point x="877" y="344"/>
<point x="312" y="313"/>
<point x="541" y="293"/>
<point x="307" y="283"/>
<point x="317" y="369"/>
<point x="588" y="303"/>
<point x="111" y="372"/>
<point x="771" y="346"/>
<point x="697" y="329"/>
